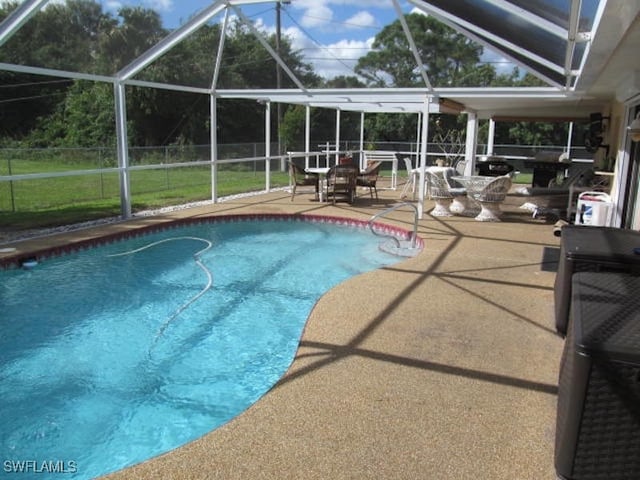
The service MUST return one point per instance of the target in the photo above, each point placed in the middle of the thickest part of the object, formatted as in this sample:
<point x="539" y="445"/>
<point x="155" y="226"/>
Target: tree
<point x="85" y="119"/>
<point x="448" y="57"/>
<point x="534" y="133"/>
<point x="247" y="64"/>
<point x="322" y="119"/>
<point x="123" y="40"/>
<point x="61" y="36"/>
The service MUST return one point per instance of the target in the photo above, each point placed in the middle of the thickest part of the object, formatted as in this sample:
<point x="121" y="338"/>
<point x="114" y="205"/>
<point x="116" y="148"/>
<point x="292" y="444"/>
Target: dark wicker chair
<point x="298" y="178"/>
<point x="369" y="178"/>
<point x="341" y="181"/>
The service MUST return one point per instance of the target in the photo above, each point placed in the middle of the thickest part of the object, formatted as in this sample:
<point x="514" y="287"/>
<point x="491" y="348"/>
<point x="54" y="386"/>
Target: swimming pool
<point x="117" y="353"/>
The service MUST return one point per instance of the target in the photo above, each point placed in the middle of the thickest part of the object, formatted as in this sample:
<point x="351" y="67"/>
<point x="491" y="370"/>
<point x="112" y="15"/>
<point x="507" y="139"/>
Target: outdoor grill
<point x="490" y="166"/>
<point x="545" y="166"/>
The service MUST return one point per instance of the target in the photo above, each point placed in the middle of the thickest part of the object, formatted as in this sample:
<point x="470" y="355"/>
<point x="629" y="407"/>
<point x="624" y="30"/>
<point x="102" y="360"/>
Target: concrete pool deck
<point x="443" y="366"/>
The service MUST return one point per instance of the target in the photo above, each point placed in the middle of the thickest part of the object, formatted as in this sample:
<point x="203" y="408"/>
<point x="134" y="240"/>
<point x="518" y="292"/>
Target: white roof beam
<point x="19" y="17"/>
<point x="167" y="86"/>
<point x="172" y="40"/>
<point x="468" y="29"/>
<point x="271" y="51"/>
<point x="412" y="44"/>
<point x="574" y="18"/>
<point x="543" y="23"/>
<point x="574" y="37"/>
<point x="223" y="35"/>
<point x="55" y="73"/>
<point x="469" y="32"/>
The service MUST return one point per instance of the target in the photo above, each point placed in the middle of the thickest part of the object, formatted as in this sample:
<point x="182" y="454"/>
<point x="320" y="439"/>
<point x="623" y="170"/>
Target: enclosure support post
<point x="267" y="146"/>
<point x="491" y="136"/>
<point x="214" y="147"/>
<point x="472" y="143"/>
<point x="123" y="149"/>
<point x="569" y="137"/>
<point x="418" y="146"/>
<point x="424" y="135"/>
<point x="337" y="135"/>
<point x="362" y="165"/>
<point x="307" y="134"/>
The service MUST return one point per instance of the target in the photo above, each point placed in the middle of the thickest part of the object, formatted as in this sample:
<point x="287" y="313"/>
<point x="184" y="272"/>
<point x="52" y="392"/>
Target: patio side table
<point x="598" y="413"/>
<point x="591" y="249"/>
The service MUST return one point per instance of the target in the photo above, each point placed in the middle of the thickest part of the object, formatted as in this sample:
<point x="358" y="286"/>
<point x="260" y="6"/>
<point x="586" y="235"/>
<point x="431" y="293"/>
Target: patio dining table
<point x="322" y="179"/>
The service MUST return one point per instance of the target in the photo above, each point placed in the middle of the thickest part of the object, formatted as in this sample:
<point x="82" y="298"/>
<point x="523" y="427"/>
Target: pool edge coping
<point x="17" y="258"/>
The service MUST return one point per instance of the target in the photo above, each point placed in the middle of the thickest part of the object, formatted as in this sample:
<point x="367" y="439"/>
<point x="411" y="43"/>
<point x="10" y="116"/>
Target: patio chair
<point x="490" y="197"/>
<point x="559" y="198"/>
<point x="459" y="204"/>
<point x="411" y="179"/>
<point x="369" y="178"/>
<point x="341" y="180"/>
<point x="438" y="190"/>
<point x="298" y="178"/>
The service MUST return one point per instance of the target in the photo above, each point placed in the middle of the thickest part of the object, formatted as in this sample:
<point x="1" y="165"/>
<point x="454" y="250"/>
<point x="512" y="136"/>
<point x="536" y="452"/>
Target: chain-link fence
<point x="88" y="180"/>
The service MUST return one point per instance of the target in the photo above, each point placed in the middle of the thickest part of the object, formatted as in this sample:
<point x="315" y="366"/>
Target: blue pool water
<point x="118" y="353"/>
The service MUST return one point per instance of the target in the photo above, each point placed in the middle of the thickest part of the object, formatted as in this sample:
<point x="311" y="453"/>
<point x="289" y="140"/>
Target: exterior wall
<point x="621" y="148"/>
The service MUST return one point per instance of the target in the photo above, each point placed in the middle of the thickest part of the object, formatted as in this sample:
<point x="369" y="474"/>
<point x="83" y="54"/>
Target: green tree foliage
<point x="323" y="120"/>
<point x="61" y="36"/>
<point x="247" y="64"/>
<point x="539" y="134"/>
<point x="78" y="36"/>
<point x="448" y="57"/>
<point x="126" y="38"/>
<point x="85" y="119"/>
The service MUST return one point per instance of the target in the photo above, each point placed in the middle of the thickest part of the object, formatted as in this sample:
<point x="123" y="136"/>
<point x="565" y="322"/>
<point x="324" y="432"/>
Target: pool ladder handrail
<point x="389" y="210"/>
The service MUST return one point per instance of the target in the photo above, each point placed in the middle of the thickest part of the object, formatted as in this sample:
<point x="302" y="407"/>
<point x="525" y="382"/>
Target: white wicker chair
<point x="438" y="190"/>
<point x="411" y="180"/>
<point x="490" y="198"/>
<point x="459" y="205"/>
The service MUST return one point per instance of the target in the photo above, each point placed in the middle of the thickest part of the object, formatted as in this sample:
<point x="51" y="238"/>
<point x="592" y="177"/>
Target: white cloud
<point x="340" y="56"/>
<point x="316" y="15"/>
<point x="421" y="12"/>
<point x="362" y="3"/>
<point x="361" y="20"/>
<point x="112" y="5"/>
<point x="332" y="60"/>
<point x="501" y="64"/>
<point x="320" y="14"/>
<point x="159" y="5"/>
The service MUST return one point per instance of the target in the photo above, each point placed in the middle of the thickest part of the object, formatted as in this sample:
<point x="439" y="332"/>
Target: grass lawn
<point x="42" y="203"/>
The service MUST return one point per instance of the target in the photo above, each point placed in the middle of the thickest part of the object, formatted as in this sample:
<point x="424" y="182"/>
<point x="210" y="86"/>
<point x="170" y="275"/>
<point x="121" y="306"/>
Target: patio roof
<point x="547" y="37"/>
<point x="566" y="43"/>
